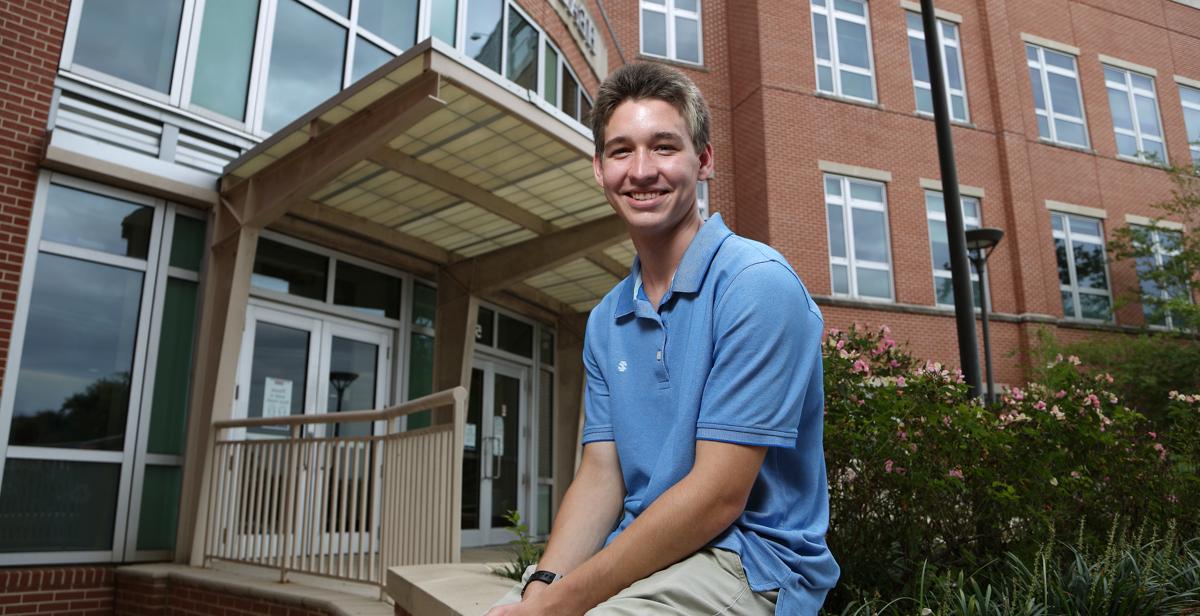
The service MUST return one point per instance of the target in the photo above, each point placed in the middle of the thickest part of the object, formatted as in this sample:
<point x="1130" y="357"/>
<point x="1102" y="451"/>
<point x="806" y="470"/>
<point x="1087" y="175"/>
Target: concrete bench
<point x="445" y="590"/>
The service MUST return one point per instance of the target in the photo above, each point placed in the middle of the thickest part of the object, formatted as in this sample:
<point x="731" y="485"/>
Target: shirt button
<point x="658" y="356"/>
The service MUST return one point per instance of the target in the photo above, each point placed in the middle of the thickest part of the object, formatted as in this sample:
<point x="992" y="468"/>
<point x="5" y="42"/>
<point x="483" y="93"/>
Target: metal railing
<point x="284" y="496"/>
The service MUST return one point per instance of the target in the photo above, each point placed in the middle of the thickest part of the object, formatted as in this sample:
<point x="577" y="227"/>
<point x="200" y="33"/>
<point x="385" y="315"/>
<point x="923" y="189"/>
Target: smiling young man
<point x="702" y="485"/>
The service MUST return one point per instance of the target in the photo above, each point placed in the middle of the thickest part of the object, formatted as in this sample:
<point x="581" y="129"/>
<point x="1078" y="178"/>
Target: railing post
<point x="289" y="502"/>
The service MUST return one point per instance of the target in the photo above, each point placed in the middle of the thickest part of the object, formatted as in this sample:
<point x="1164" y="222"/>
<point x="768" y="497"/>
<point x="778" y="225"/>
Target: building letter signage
<point x="583" y="28"/>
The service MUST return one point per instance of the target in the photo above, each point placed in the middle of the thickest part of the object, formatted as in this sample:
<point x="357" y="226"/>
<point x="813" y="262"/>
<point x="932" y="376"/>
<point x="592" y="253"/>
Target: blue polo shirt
<point x="733" y="355"/>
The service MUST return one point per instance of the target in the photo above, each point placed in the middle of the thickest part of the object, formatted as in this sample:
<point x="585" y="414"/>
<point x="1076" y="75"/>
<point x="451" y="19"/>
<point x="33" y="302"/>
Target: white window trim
<point x="1044" y="69"/>
<point x="1130" y="92"/>
<point x="834" y="64"/>
<point x="943" y="42"/>
<point x="670" y="11"/>
<point x="850" y="261"/>
<point x="968" y="221"/>
<point x="1079" y="210"/>
<point x="1193" y="145"/>
<point x="1073" y="288"/>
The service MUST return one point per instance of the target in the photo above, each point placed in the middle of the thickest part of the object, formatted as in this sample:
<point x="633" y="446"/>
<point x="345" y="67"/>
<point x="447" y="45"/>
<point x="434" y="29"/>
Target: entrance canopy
<point x="451" y="165"/>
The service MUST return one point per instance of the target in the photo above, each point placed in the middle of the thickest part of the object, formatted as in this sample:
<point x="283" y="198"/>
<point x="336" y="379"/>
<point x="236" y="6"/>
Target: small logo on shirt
<point x="622" y="366"/>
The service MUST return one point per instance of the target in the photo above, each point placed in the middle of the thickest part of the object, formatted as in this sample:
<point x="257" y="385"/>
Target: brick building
<point x="211" y="209"/>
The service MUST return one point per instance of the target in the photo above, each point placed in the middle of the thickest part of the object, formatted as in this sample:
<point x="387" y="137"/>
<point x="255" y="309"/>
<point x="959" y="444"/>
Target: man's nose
<point x="644" y="168"/>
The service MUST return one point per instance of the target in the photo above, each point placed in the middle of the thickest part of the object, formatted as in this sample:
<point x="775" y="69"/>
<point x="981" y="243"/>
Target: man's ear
<point x="598" y="169"/>
<point x="706" y="163"/>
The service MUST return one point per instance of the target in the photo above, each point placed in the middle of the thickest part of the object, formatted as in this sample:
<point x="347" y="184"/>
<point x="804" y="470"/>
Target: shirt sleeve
<point x="766" y="356"/>
<point x="597" y="422"/>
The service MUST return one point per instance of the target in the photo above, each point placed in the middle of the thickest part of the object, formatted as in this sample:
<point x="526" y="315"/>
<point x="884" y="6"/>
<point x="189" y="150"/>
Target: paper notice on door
<point x="469" y="437"/>
<point x="498" y="434"/>
<point x="277" y="398"/>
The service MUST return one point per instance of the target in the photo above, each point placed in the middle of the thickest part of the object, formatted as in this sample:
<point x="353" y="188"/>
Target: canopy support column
<point x="454" y="341"/>
<point x="568" y="397"/>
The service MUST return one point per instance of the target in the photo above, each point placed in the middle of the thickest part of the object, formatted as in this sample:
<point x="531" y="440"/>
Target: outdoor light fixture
<point x="980" y="244"/>
<point x="340" y="381"/>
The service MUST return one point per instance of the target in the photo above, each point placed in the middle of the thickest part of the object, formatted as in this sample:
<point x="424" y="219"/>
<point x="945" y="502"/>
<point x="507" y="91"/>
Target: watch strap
<point x="548" y="577"/>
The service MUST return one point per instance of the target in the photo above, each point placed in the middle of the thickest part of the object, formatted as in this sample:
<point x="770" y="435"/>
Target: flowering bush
<point x="923" y="475"/>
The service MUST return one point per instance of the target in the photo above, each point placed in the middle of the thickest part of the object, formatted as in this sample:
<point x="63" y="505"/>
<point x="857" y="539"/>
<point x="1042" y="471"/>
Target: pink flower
<point x="946" y="420"/>
<point x="1171" y="498"/>
<point x="1039" y="405"/>
<point x="1162" y="451"/>
<point x="860" y="366"/>
<point x="955" y="472"/>
<point x="1093" y="400"/>
<point x="1152" y="434"/>
<point x="894" y="364"/>
<point x="840" y="344"/>
<point x="902" y="435"/>
<point x="912" y="447"/>
<point x="1075" y="474"/>
<point x="887" y="466"/>
<point x="1017" y="394"/>
<point x="900" y="382"/>
<point x="1062" y="393"/>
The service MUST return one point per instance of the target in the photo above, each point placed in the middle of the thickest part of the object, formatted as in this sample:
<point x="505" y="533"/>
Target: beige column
<point x="454" y="341"/>
<point x="568" y="396"/>
<point x="225" y="286"/>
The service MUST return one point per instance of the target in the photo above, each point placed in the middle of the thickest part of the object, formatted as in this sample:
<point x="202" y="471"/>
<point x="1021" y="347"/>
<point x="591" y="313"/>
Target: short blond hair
<point x="650" y="80"/>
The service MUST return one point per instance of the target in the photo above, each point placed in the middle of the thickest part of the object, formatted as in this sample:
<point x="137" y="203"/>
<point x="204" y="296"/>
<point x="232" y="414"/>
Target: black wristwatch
<point x="549" y="577"/>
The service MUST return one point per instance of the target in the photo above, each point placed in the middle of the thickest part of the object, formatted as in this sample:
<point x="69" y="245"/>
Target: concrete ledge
<point x="445" y="590"/>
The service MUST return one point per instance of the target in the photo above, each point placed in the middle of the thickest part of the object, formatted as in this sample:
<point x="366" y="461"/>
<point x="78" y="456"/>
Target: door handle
<point x="496" y="458"/>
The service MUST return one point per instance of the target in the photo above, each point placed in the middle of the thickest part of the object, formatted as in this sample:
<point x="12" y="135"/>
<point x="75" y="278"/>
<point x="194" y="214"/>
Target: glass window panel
<point x="1127" y="145"/>
<point x="484" y="33"/>
<point x="1060" y="253"/>
<point x="1043" y="126"/>
<point x="1084" y="225"/>
<point x="1056" y="222"/>
<point x="1189" y="95"/>
<point x="545" y="444"/>
<point x="570" y="96"/>
<point x="654" y="33"/>
<point x="550" y="76"/>
<point x="870" y="240"/>
<point x="222" y="75"/>
<point x="1147" y="112"/>
<point x="366" y="290"/>
<point x="281" y="354"/>
<point x="866" y="192"/>
<point x="1070" y="132"/>
<point x="970" y="206"/>
<point x="874" y="283"/>
<point x="74" y="380"/>
<point x="924" y="99"/>
<point x="1035" y="79"/>
<point x="394" y="20"/>
<point x="1142" y="82"/>
<point x="341" y="7"/>
<point x="944" y="289"/>
<point x="547" y="347"/>
<point x="515" y="336"/>
<point x="130" y="39"/>
<point x="913" y="21"/>
<point x="949" y="32"/>
<point x="172" y="377"/>
<point x="1095" y="306"/>
<point x="160" y="507"/>
<point x="852" y="44"/>
<point x="686" y="5"/>
<point x="939" y="245"/>
<point x="1031" y="53"/>
<point x="98" y="222"/>
<point x="473" y="453"/>
<point x="58" y="506"/>
<point x="841" y="279"/>
<point x="307" y="55"/>
<point x="1122" y="115"/>
<point x="353" y="369"/>
<point x="953" y="69"/>
<point x="424" y="305"/>
<point x="443" y="20"/>
<point x="918" y="59"/>
<point x="1068" y="305"/>
<point x="485" y="327"/>
<point x="958" y="107"/>
<point x="1089" y="265"/>
<point x="367" y="57"/>
<point x="833" y="187"/>
<point x="585" y="109"/>
<point x="522" y="51"/>
<point x="687" y="39"/>
<point x="825" y="79"/>
<point x="1154" y="150"/>
<point x="187" y="243"/>
<point x="837" y="231"/>
<point x="1064" y="95"/>
<point x="1061" y="60"/>
<point x="1114" y="75"/>
<point x="855" y="7"/>
<point x="821" y="35"/>
<point x="287" y="269"/>
<point x="420" y="376"/>
<point x="934" y="203"/>
<point x="544" y="513"/>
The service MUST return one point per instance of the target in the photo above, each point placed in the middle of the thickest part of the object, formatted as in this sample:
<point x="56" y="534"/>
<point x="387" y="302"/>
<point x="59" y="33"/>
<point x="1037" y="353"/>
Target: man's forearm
<point x="588" y="513"/>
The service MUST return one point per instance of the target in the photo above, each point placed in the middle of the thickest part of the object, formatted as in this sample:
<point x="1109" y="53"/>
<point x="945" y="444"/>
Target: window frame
<point x="670" y="12"/>
<point x="1044" y="69"/>
<point x="1073" y="288"/>
<point x="1159" y="254"/>
<point x="850" y="261"/>
<point x="831" y="16"/>
<point x="1131" y="93"/>
<point x="940" y="217"/>
<point x="943" y="42"/>
<point x="1194" y="107"/>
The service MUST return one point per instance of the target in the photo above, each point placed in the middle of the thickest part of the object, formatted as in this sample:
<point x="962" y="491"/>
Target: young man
<point x="702" y="486"/>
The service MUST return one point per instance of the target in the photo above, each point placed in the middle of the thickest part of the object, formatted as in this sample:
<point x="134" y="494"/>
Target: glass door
<point x="278" y="372"/>
<point x="493" y="452"/>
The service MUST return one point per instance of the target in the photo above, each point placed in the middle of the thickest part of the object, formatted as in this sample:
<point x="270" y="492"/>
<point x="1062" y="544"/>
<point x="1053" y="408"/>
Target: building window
<point x="859" y="255"/>
<point x="1082" y="269"/>
<point x="131" y="40"/>
<point x="951" y="60"/>
<point x="221" y="78"/>
<point x="1134" y="106"/>
<point x="671" y="29"/>
<point x="561" y="88"/>
<point x="1164" y="245"/>
<point x="1191" y="117"/>
<point x="702" y="199"/>
<point x="842" y="41"/>
<point x="939" y="245"/>
<point x="1056" y="98"/>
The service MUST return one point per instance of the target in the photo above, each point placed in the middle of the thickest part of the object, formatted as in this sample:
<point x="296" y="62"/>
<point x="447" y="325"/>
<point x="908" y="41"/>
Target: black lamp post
<point x="340" y="381"/>
<point x="980" y="243"/>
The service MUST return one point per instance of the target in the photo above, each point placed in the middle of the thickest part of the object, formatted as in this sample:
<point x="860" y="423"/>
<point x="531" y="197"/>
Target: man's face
<point x="650" y="168"/>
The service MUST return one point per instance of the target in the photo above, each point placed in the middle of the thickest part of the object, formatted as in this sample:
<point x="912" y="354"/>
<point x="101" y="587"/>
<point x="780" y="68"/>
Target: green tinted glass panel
<point x="544" y="513"/>
<point x="424" y="305"/>
<point x="222" y="76"/>
<point x="515" y="336"/>
<point x="168" y="415"/>
<point x="98" y="222"/>
<point x="545" y="441"/>
<point x="307" y="53"/>
<point x="187" y="243"/>
<point x="160" y="508"/>
<point x="443" y="19"/>
<point x="287" y="269"/>
<point x="58" y="506"/>
<point x="550" y="77"/>
<point x="130" y="39"/>
<point x="366" y="290"/>
<point x="420" y="376"/>
<point x="394" y="20"/>
<point x="547" y="347"/>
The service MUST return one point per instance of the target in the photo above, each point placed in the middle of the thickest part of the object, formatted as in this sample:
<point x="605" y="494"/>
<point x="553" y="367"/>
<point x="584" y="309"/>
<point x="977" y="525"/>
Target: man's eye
<point x="664" y="148"/>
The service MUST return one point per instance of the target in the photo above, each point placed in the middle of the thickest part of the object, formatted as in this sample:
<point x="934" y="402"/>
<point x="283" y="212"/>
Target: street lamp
<point x="980" y="244"/>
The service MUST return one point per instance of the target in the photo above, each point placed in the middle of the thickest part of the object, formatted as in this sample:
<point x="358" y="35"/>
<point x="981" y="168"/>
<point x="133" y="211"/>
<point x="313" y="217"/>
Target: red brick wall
<point x="139" y="594"/>
<point x="69" y="591"/>
<point x="31" y="33"/>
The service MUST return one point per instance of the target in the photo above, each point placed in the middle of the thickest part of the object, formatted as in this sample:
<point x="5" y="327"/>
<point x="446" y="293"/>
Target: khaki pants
<point x="711" y="582"/>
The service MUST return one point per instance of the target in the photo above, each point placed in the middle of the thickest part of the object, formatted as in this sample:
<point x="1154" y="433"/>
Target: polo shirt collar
<point x="690" y="273"/>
